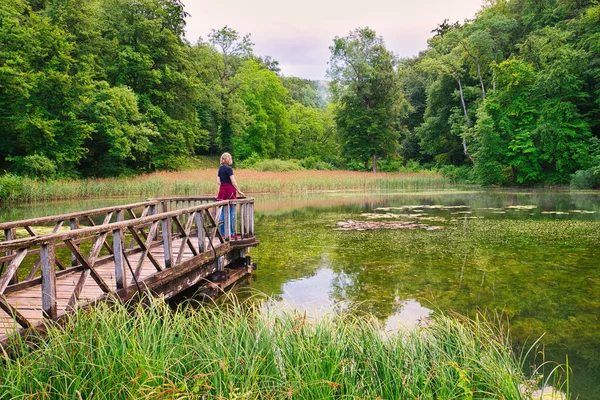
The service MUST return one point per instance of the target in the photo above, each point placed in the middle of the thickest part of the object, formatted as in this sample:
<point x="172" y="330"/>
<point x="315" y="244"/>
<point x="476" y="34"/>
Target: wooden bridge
<point x="54" y="265"/>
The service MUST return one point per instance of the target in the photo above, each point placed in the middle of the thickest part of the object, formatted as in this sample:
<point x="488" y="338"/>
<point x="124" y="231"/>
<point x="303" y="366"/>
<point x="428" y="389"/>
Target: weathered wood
<point x="201" y="232"/>
<point x="57" y="292"/>
<point x="77" y="291"/>
<point x="89" y="264"/>
<point x="242" y="220"/>
<point x="12" y="269"/>
<point x="74" y="224"/>
<point x="11" y="234"/>
<point x="30" y="230"/>
<point x="10" y="310"/>
<point x="167" y="238"/>
<point x="48" y="281"/>
<point x="146" y="249"/>
<point x="65" y="217"/>
<point x="227" y="221"/>
<point x="251" y="230"/>
<point x="119" y="257"/>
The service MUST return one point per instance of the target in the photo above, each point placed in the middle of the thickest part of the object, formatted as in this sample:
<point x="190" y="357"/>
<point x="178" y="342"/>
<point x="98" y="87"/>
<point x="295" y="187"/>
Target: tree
<point x="364" y="83"/>
<point x="233" y="51"/>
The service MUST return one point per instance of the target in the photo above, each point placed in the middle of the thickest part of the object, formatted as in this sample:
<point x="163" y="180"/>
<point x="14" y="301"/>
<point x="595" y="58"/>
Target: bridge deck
<point x="193" y="249"/>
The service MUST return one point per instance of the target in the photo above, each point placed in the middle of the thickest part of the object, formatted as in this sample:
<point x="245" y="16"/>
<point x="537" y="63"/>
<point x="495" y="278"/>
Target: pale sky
<point x="298" y="34"/>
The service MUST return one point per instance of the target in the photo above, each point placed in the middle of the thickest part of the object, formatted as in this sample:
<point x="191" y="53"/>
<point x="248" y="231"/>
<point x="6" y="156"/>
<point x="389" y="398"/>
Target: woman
<point x="228" y="189"/>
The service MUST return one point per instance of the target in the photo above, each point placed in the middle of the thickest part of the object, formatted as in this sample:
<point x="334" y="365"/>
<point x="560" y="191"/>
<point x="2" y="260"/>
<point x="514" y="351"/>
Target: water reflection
<point x="534" y="257"/>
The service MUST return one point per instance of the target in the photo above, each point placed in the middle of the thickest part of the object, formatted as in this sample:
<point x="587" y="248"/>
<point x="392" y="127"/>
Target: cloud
<point x="299" y="34"/>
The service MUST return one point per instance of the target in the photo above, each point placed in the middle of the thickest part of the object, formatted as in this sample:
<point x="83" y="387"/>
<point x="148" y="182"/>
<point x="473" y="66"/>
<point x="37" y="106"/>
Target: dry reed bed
<point x="193" y="182"/>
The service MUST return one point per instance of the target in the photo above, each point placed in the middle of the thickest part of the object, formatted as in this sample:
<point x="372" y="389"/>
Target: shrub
<point x="585" y="179"/>
<point x="278" y="165"/>
<point x="464" y="173"/>
<point x="389" y="165"/>
<point x="249" y="162"/>
<point x="11" y="186"/>
<point x="35" y="166"/>
<point x="313" y="162"/>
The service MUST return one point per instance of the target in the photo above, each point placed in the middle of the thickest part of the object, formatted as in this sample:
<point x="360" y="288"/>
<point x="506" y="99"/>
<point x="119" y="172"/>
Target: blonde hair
<point x="226" y="159"/>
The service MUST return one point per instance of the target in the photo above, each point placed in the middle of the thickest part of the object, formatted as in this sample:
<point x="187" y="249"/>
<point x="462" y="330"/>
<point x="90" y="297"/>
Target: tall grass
<point x="243" y="352"/>
<point x="204" y="182"/>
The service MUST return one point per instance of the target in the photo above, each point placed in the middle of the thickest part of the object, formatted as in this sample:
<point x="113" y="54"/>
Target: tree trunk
<point x="374" y="158"/>
<point x="481" y="81"/>
<point x="464" y="106"/>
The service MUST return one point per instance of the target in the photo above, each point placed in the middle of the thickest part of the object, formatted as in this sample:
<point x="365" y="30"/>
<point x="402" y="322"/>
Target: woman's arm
<point x="219" y="180"/>
<point x="234" y="183"/>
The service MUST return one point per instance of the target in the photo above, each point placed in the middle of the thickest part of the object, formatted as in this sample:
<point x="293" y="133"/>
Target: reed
<point x="248" y="351"/>
<point x="204" y="182"/>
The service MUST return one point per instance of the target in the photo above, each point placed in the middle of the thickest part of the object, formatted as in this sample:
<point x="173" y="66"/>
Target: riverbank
<point x="238" y="351"/>
<point x="203" y="181"/>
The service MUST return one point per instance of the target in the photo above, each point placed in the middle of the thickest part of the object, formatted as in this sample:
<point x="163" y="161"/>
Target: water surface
<point x="531" y="257"/>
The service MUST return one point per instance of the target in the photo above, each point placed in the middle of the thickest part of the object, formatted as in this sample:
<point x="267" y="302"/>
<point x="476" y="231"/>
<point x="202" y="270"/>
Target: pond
<point x="532" y="258"/>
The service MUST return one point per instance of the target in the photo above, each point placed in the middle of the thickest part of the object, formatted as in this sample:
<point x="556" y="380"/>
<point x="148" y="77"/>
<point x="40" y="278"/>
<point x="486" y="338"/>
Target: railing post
<point x="74" y="222"/>
<point x="48" y="260"/>
<point x="11" y="234"/>
<point x="251" y="229"/>
<point x="200" y="226"/>
<point x="227" y="220"/>
<point x="243" y="220"/>
<point x="236" y="208"/>
<point x="119" y="267"/>
<point x="166" y="231"/>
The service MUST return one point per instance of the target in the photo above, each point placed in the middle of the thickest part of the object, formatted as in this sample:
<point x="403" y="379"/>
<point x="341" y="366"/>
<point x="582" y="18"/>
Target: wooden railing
<point x="38" y="259"/>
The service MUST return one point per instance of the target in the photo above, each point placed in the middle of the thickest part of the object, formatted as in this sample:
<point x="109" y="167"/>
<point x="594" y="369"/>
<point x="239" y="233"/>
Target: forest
<point x="100" y="88"/>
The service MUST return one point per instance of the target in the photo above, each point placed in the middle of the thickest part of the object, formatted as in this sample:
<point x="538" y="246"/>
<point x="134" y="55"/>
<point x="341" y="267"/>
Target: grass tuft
<point x="245" y="351"/>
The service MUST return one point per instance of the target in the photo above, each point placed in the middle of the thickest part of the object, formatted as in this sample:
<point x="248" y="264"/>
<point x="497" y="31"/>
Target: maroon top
<point x="226" y="192"/>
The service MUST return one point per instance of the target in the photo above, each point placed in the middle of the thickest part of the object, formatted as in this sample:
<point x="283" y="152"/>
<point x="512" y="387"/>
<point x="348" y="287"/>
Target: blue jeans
<point x="231" y="221"/>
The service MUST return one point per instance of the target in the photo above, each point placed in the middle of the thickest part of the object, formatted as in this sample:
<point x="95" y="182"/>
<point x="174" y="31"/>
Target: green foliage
<point x="585" y="179"/>
<point x="11" y="187"/>
<point x="154" y="351"/>
<point x="34" y="165"/>
<point x="461" y="174"/>
<point x="276" y="165"/>
<point x="364" y="84"/>
<point x="516" y="87"/>
<point x="314" y="162"/>
<point x="304" y="91"/>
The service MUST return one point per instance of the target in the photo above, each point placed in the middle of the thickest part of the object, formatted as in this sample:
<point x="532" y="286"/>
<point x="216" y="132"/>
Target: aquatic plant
<point x="204" y="182"/>
<point x="248" y="351"/>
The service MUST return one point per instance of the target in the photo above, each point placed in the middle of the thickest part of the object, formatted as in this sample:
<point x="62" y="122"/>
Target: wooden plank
<point x="167" y="241"/>
<point x="48" y="281"/>
<point x="201" y="231"/>
<point x="12" y="269"/>
<point x="88" y="265"/>
<point x="145" y="249"/>
<point x="10" y="310"/>
<point x="74" y="224"/>
<point x="72" y="304"/>
<point x="64" y="217"/>
<point x="119" y="257"/>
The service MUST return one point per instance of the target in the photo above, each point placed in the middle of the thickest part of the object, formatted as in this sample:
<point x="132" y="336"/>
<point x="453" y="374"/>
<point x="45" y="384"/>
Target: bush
<point x="249" y="162"/>
<point x="585" y="179"/>
<point x="35" y="166"/>
<point x="278" y="165"/>
<point x="463" y="173"/>
<point x="11" y="187"/>
<point x="389" y="165"/>
<point x="313" y="162"/>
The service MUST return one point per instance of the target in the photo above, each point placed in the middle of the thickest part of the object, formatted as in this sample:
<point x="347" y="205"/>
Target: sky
<point x="298" y="34"/>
